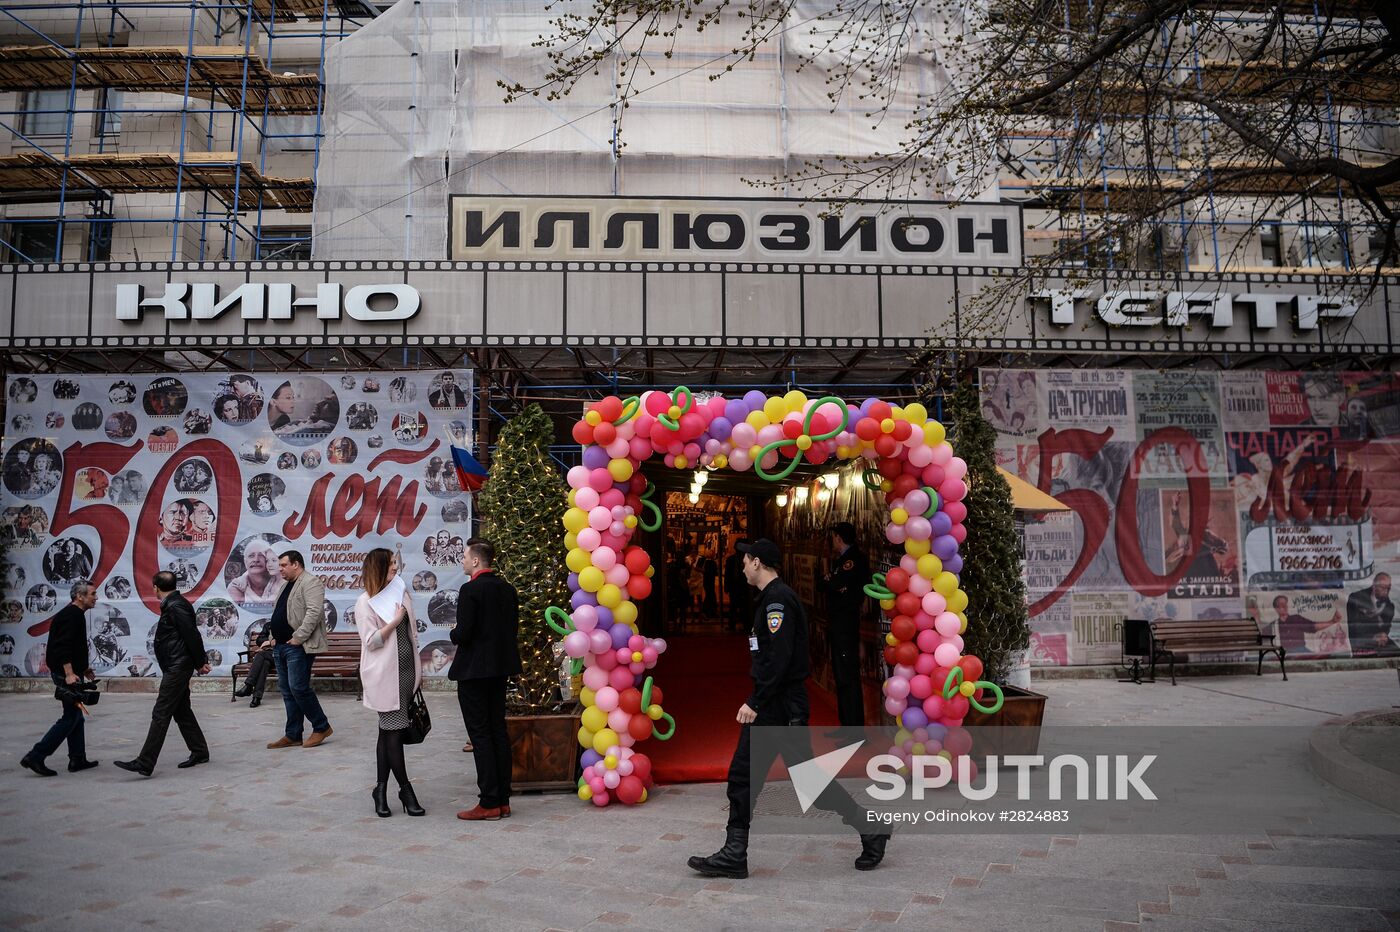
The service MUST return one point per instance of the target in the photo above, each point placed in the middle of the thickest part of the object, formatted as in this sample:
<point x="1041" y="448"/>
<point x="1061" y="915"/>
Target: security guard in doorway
<point x="844" y="587"/>
<point x="778" y="652"/>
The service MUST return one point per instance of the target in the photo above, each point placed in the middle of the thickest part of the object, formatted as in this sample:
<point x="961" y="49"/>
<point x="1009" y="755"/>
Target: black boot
<point x="410" y="801"/>
<point x="381" y="800"/>
<point x="872" y="851"/>
<point x="731" y="861"/>
<point x="244" y="691"/>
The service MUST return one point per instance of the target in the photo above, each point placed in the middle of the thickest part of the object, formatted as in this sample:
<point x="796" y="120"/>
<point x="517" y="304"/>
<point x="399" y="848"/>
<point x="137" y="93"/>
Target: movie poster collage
<point x="299" y="451"/>
<point x="1294" y="522"/>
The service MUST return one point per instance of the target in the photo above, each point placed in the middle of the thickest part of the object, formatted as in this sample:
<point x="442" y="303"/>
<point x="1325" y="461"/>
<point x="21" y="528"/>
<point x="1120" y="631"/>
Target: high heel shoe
<point x="410" y="801"/>
<point x="381" y="800"/>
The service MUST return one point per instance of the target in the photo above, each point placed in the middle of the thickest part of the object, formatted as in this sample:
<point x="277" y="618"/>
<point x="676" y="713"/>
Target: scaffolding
<point x="156" y="129"/>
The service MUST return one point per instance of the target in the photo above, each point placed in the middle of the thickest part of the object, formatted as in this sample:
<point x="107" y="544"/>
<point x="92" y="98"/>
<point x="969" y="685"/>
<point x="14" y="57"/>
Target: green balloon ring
<point x="630" y="406"/>
<point x="564" y="626"/>
<point x="648" y="506"/>
<point x="646" y="693"/>
<point x="665" y="417"/>
<point x="670" y="734"/>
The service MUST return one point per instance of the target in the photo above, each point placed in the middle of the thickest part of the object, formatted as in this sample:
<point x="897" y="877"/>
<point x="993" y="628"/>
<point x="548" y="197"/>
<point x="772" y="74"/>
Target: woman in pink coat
<point x="389" y="670"/>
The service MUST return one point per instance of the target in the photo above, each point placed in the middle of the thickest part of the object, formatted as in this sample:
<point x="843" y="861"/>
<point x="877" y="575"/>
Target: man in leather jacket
<point x="179" y="650"/>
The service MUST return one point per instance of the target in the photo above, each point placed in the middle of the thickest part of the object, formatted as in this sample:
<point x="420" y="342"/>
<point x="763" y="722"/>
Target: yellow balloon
<point x="945" y="584"/>
<point x="916" y="414"/>
<point x="629" y="521"/>
<point x="585" y="737"/>
<point x="570" y="540"/>
<point x="916" y="548"/>
<point x="682" y="462"/>
<point x="594" y="719"/>
<point x="575" y="519"/>
<point x="899" y="516"/>
<point x="585" y="792"/>
<point x="902" y="736"/>
<point x="578" y="560"/>
<point x="757" y="420"/>
<point x="934" y="433"/>
<point x="917" y="749"/>
<point x="643" y="798"/>
<point x="620" y="469"/>
<point x="593" y="418"/>
<point x="626" y="613"/>
<point x="610" y="762"/>
<point x="651" y="571"/>
<point x="591" y="579"/>
<point x="946" y="755"/>
<point x="573" y="493"/>
<point x="886" y="604"/>
<point x="721" y="461"/>
<point x="775" y="408"/>
<point x="794" y="400"/>
<point x="891" y="640"/>
<point x="929" y="566"/>
<point x="962" y="623"/>
<point x="967" y="689"/>
<point x="609" y="596"/>
<point x="887" y="425"/>
<point x="605" y="739"/>
<point x="958" y="601"/>
<point x="654" y="712"/>
<point x="586" y="696"/>
<point x="804" y="442"/>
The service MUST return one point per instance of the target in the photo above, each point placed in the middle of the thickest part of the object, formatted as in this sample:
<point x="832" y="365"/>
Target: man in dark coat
<point x="736" y="588"/>
<point x="488" y="624"/>
<point x="779" y="668"/>
<point x="67" y="657"/>
<point x="180" y="653"/>
<point x="844" y="586"/>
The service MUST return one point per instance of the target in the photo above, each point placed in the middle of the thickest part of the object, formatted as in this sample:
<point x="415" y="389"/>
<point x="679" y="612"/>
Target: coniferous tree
<point x="522" y="507"/>
<point x="997" y="621"/>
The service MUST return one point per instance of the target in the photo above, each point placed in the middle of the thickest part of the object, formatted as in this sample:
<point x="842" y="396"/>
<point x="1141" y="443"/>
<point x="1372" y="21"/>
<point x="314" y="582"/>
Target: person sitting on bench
<point x="259" y="666"/>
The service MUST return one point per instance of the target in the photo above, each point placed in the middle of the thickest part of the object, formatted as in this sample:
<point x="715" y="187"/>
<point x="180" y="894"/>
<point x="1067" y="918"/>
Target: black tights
<point x="389" y="756"/>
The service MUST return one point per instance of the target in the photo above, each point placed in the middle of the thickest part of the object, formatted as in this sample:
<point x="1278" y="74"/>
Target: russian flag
<point x="471" y="475"/>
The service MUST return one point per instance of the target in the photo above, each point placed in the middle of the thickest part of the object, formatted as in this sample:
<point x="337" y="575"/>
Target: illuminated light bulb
<point x="801" y="492"/>
<point x="694" y="498"/>
<point x="782" y="499"/>
<point x="831" y="480"/>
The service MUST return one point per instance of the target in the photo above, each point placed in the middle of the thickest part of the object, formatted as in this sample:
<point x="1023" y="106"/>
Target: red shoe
<point x="478" y="814"/>
<point x="505" y="811"/>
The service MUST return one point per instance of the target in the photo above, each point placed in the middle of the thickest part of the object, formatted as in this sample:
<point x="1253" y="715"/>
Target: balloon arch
<point x="933" y="684"/>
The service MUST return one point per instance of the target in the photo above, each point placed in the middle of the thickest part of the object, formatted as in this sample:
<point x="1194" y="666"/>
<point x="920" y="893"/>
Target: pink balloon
<point x="578" y="477"/>
<point x="585" y="618"/>
<point x="611" y="499"/>
<point x="617" y="529"/>
<point x="933" y="705"/>
<point x="589" y="539"/>
<point x="925" y="664"/>
<point x="958" y="533"/>
<point x="638" y="448"/>
<point x="916" y="502"/>
<point x="618" y="719"/>
<point x="901" y="670"/>
<point x="918" y="528"/>
<point x="946" y="655"/>
<point x="659" y="644"/>
<point x="618" y="448"/>
<point x="933" y="476"/>
<point x="952" y="490"/>
<point x="607" y="660"/>
<point x="606" y="698"/>
<point x="919" y="585"/>
<point x="942" y="454"/>
<point x="896" y="687"/>
<point x="928" y="641"/>
<point x="586" y="498"/>
<point x="623" y="655"/>
<point x="618" y="576"/>
<point x="620" y="678"/>
<point x="605" y="558"/>
<point x="895" y="706"/>
<point x="600" y="642"/>
<point x="934" y="604"/>
<point x="595" y="678"/>
<point x="576" y="644"/>
<point x="921" y="687"/>
<point x="923" y="621"/>
<point x="649" y="656"/>
<point x="920" y="456"/>
<point x="600" y="479"/>
<point x="909" y="564"/>
<point x="894" y="533"/>
<point x="599" y="518"/>
<point x="956" y="468"/>
<point x="947" y="624"/>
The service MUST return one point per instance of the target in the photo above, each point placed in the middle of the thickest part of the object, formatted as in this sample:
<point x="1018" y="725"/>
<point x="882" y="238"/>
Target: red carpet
<point x="704" y="679"/>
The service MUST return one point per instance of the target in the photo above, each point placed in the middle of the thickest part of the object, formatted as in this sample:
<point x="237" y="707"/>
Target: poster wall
<point x="211" y="476"/>
<point x="1206" y="495"/>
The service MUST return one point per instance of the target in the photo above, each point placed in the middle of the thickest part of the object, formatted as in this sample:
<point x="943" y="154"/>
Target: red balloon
<point x="956" y="511"/>
<point x="816" y="456"/>
<point x="889" y="655"/>
<point x="629" y="791"/>
<point x="820" y="425"/>
<point x="658" y="403"/>
<point x="971" y="667"/>
<point x="907" y="603"/>
<point x="903" y="628"/>
<point x="638" y="588"/>
<point x="902" y="430"/>
<point x="885" y="445"/>
<point x="957" y="706"/>
<point x="583" y="432"/>
<point x="610" y="408"/>
<point x="867" y="428"/>
<point x="904" y="484"/>
<point x="958" y="741"/>
<point x="636" y="559"/>
<point x="639" y="727"/>
<point x="958" y="533"/>
<point x="604" y="434"/>
<point x="630" y="700"/>
<point x="906" y="653"/>
<point x="692" y="425"/>
<point x="879" y="411"/>
<point x="639" y="485"/>
<point x="889" y="468"/>
<point x="656" y="698"/>
<point x="641" y="768"/>
<point x="897" y="580"/>
<point x="792" y="429"/>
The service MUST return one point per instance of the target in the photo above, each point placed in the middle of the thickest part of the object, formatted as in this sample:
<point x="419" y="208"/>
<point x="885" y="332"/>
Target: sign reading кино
<point x="732" y="230"/>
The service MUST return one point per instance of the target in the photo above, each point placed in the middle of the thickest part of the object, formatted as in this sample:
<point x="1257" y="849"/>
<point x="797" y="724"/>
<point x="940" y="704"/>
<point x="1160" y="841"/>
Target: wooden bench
<point x="1172" y="639"/>
<point x="340" y="660"/>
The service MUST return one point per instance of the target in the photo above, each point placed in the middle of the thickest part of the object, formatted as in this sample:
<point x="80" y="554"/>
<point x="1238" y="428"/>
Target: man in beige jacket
<point x="298" y="629"/>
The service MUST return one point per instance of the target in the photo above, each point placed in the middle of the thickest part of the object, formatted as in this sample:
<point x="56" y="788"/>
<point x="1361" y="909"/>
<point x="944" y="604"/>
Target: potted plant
<point x="521" y="506"/>
<point x="999" y="631"/>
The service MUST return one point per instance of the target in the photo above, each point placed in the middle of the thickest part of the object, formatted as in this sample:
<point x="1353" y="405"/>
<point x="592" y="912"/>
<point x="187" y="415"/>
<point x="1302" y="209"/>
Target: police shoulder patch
<point x="848" y="565"/>
<point x="775" y="619"/>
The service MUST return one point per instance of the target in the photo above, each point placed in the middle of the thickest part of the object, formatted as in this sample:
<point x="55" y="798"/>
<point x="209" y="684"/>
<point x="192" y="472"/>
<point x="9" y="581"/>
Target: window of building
<point x="30" y="241"/>
<point x="1324" y="245"/>
<point x="1270" y="245"/>
<point x="44" y="113"/>
<point x="285" y="243"/>
<point x="107" y="121"/>
<point x="99" y="239"/>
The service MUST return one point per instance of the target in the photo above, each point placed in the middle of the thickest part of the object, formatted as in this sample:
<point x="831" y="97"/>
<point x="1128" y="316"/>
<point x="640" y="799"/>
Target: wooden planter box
<point x="1023" y="710"/>
<point x="544" y="750"/>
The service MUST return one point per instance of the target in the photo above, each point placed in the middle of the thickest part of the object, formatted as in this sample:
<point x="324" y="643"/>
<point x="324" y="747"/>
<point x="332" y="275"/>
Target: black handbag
<point x="419" y="721"/>
<point x="79" y="692"/>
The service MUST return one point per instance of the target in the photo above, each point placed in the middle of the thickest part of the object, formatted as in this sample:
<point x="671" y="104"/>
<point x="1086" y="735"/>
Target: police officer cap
<point x="764" y="550"/>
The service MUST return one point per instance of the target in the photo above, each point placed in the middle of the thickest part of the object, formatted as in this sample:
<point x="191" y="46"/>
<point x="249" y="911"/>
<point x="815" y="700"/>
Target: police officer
<point x="779" y="668"/>
<point x="844" y="587"/>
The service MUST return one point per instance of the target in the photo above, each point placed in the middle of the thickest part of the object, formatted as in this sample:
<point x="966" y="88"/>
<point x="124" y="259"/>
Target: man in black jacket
<point x="844" y="588"/>
<point x="779" y="668"/>
<point x="488" y="622"/>
<point x="67" y="658"/>
<point x="180" y="653"/>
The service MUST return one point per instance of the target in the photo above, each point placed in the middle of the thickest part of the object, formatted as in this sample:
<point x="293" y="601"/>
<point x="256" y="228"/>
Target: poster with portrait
<point x="1291" y="488"/>
<point x="212" y="476"/>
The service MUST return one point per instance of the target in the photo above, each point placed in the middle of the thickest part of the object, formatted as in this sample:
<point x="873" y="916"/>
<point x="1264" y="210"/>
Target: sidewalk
<point x="282" y="840"/>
